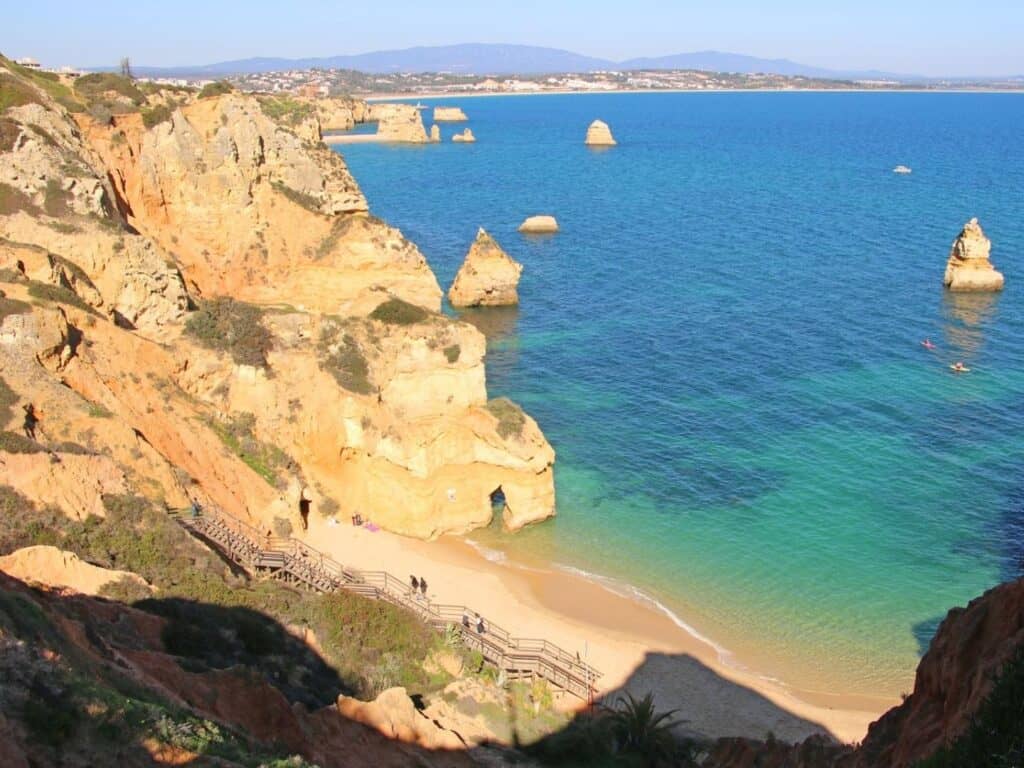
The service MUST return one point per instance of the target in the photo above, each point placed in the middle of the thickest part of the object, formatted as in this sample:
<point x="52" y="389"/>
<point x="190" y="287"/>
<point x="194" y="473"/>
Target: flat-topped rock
<point x="539" y="225"/>
<point x="465" y="137"/>
<point x="488" y="277"/>
<point x="449" y="115"/>
<point x="599" y="135"/>
<point x="969" y="268"/>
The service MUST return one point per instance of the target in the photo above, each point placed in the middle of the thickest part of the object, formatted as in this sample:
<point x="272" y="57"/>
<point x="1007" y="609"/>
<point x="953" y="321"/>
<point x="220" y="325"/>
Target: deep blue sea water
<point x="722" y="344"/>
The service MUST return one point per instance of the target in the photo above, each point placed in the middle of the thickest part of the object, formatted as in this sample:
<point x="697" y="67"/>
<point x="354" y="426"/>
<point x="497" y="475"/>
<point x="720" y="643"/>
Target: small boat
<point x="902" y="169"/>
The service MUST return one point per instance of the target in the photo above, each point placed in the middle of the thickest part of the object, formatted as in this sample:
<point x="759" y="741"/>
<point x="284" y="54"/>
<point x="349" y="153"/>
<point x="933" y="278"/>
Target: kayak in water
<point x="959" y="368"/>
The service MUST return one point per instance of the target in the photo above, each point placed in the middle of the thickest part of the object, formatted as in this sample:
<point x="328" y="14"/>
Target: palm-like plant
<point x="638" y="728"/>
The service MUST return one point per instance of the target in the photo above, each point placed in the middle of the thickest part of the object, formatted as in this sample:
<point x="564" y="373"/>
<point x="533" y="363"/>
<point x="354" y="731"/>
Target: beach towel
<point x="371" y="527"/>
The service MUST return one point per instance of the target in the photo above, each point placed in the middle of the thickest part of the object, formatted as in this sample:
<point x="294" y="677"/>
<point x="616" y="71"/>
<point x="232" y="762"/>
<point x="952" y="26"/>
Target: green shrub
<point x="344" y="360"/>
<point x="58" y="293"/>
<point x="9" y="132"/>
<point x="234" y="327"/>
<point x="510" y="416"/>
<point x="56" y="199"/>
<point x="286" y="110"/>
<point x="14" y="201"/>
<point x="96" y="87"/>
<point x="339" y="228"/>
<point x="395" y="311"/>
<point x="158" y="114"/>
<point x="264" y="459"/>
<point x="282" y="527"/>
<point x="15" y="93"/>
<point x="452" y="353"/>
<point x="218" y="88"/>
<point x="97" y="411"/>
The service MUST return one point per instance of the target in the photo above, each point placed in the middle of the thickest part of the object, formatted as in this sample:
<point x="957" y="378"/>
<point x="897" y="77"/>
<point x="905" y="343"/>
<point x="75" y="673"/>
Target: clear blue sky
<point x="932" y="37"/>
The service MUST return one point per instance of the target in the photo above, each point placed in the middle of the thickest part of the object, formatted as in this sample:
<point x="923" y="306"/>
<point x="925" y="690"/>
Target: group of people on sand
<point x="957" y="367"/>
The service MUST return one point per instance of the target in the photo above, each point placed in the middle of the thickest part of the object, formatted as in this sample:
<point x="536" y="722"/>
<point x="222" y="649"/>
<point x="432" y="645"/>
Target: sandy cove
<point x="652" y="653"/>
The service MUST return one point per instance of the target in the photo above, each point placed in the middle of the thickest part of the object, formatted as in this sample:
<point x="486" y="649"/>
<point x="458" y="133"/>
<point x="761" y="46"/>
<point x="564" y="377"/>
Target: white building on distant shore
<point x="28" y="63"/>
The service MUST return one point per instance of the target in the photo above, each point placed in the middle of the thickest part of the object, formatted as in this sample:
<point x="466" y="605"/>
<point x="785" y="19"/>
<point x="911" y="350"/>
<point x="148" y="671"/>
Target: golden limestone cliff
<point x="198" y="306"/>
<point x="969" y="268"/>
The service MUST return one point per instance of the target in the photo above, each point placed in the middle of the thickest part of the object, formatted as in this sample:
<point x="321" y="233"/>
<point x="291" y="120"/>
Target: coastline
<point x="386" y="97"/>
<point x="624" y="637"/>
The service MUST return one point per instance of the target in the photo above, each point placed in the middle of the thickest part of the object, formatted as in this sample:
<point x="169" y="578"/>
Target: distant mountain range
<point x="492" y="59"/>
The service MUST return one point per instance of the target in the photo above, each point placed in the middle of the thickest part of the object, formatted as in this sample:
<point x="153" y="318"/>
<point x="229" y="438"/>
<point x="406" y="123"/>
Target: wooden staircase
<point x="294" y="562"/>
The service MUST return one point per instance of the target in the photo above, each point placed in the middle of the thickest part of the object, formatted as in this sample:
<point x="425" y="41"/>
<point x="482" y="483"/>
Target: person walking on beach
<point x="415" y="584"/>
<point x="31" y="420"/>
<point x="423" y="586"/>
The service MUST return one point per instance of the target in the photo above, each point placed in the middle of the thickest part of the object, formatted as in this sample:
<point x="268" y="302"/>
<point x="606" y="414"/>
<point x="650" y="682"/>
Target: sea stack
<point x="539" y="225"/>
<point x="465" y="137"/>
<point x="449" y="115"/>
<point x="599" y="135"/>
<point x="968" y="268"/>
<point x="487" y="278"/>
<point x="435" y="134"/>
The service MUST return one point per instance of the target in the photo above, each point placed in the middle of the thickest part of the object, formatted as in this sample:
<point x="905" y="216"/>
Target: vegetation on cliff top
<point x="370" y="645"/>
<point x="510" y="416"/>
<point x="266" y="460"/>
<point x="286" y="110"/>
<point x="218" y="88"/>
<point x="396" y="311"/>
<point x="339" y="354"/>
<point x="234" y="327"/>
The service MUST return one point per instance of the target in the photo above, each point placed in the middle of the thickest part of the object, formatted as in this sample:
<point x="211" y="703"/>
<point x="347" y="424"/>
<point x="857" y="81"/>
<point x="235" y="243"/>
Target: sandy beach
<point x="636" y="647"/>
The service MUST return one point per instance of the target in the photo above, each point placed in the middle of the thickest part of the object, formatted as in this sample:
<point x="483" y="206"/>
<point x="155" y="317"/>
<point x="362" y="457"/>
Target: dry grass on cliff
<point x="14" y="201"/>
<point x="47" y="293"/>
<point x="339" y="354"/>
<point x="511" y="419"/>
<point x="9" y="132"/>
<point x="266" y="460"/>
<point x="286" y="110"/>
<point x="235" y="327"/>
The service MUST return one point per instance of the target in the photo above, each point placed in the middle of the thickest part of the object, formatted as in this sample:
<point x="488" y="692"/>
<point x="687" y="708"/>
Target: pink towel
<point x="371" y="527"/>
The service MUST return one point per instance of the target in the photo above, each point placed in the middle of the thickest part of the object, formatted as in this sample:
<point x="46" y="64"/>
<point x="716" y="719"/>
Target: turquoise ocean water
<point x="722" y="344"/>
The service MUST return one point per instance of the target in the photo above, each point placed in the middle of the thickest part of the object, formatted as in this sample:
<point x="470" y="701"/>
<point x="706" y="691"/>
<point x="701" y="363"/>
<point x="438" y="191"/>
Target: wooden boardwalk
<point x="294" y="562"/>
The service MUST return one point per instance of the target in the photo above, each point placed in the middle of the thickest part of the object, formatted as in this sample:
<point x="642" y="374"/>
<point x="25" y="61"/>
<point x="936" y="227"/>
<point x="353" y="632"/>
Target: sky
<point x="927" y="37"/>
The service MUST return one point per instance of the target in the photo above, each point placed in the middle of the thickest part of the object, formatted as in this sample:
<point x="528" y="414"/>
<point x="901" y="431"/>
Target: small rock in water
<point x="599" y="135"/>
<point x="539" y="225"/>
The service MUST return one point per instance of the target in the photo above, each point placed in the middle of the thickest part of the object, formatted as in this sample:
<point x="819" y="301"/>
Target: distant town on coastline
<point x="489" y="68"/>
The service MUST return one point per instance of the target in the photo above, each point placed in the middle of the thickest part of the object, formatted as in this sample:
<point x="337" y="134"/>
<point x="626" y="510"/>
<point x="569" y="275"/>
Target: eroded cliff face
<point x="121" y="230"/>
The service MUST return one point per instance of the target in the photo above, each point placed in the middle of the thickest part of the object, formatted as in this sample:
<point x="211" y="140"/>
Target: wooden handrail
<point x="309" y="566"/>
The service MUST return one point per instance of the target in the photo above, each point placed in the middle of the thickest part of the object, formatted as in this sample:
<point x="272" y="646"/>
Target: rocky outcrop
<point x="401" y="123"/>
<point x="449" y="115"/>
<point x="488" y="276"/>
<point x="466" y="137"/>
<point x="385" y="413"/>
<point x="539" y="225"/>
<point x="394" y="715"/>
<point x="54" y="567"/>
<point x="969" y="651"/>
<point x="969" y="268"/>
<point x="599" y="135"/>
<point x="435" y="134"/>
